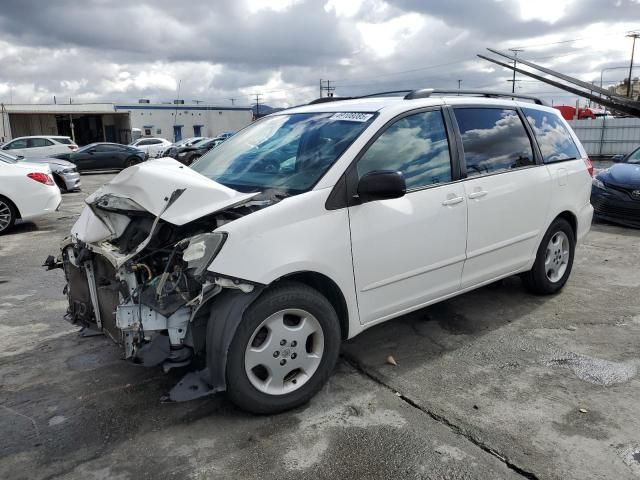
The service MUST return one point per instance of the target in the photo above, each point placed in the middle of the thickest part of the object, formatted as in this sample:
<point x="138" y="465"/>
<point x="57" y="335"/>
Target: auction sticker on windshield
<point x="351" y="116"/>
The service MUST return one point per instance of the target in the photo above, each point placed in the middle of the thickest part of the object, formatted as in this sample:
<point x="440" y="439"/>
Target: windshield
<point x="284" y="152"/>
<point x="7" y="158"/>
<point x="634" y="157"/>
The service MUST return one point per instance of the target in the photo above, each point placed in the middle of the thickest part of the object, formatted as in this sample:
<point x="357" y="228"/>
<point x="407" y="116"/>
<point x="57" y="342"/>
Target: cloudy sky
<point x="216" y="50"/>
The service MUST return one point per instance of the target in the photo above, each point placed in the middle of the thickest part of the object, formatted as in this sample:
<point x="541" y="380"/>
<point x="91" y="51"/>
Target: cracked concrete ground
<point x="492" y="384"/>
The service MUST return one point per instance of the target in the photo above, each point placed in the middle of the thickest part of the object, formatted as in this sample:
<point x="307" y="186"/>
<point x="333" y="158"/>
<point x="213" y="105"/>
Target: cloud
<point x="113" y="50"/>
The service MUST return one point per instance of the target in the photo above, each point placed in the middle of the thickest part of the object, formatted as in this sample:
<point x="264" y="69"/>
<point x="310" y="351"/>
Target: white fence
<point x="608" y="136"/>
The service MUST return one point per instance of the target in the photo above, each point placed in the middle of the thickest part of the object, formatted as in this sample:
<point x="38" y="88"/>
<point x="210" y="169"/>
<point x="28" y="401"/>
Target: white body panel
<point x="296" y="235"/>
<point x="32" y="199"/>
<point x="407" y="251"/>
<point x="507" y="216"/>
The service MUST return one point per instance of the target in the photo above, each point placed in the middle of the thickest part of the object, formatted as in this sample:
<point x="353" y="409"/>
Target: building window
<point x="147" y="131"/>
<point x="158" y="131"/>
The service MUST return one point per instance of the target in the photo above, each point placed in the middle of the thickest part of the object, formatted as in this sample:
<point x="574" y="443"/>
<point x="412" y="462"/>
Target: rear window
<point x="63" y="140"/>
<point x="552" y="135"/>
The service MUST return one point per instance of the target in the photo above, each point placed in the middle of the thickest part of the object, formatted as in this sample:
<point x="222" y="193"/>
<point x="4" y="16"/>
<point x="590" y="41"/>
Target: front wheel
<point x="284" y="350"/>
<point x="554" y="259"/>
<point x="131" y="161"/>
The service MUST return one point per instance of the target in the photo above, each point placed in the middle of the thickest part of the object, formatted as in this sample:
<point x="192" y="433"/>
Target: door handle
<point x="477" y="194"/>
<point x="452" y="201"/>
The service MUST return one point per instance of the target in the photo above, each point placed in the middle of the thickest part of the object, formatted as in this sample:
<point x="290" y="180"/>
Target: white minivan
<point x="316" y="223"/>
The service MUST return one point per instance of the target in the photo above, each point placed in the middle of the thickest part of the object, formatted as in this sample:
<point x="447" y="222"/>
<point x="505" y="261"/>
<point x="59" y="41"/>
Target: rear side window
<point x="63" y="140"/>
<point x="417" y="146"/>
<point x="38" y="142"/>
<point x="552" y="135"/>
<point x="105" y="148"/>
<point x="494" y="140"/>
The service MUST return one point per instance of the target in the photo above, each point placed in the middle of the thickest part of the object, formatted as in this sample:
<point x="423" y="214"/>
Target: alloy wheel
<point x="5" y="216"/>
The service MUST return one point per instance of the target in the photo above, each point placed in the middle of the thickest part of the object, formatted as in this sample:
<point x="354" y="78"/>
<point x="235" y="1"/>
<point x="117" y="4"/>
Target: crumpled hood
<point x="151" y="183"/>
<point x="622" y="174"/>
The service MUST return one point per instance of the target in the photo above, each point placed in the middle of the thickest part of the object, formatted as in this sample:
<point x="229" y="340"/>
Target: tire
<point x="130" y="162"/>
<point x="285" y="307"/>
<point x="60" y="183"/>
<point x="8" y="215"/>
<point x="554" y="260"/>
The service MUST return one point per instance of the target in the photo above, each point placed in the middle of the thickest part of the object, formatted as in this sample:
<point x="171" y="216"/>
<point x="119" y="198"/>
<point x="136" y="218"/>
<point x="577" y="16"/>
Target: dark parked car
<point x="64" y="173"/>
<point x="188" y="155"/>
<point x="104" y="156"/>
<point x="615" y="193"/>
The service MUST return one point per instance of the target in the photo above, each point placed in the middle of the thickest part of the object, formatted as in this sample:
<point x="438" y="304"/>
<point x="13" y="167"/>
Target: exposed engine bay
<point x="143" y="280"/>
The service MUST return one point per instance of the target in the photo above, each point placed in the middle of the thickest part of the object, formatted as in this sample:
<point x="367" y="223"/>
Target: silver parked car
<point x="64" y="173"/>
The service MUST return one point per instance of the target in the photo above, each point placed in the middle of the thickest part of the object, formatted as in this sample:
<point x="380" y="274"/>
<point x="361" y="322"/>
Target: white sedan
<point x="27" y="191"/>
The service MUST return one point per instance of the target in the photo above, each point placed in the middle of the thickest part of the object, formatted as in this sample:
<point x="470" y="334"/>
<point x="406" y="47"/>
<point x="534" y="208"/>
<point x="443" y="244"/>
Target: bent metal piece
<point x="603" y="97"/>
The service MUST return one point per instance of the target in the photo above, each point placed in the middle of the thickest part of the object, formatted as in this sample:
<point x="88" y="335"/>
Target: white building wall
<point x="158" y="120"/>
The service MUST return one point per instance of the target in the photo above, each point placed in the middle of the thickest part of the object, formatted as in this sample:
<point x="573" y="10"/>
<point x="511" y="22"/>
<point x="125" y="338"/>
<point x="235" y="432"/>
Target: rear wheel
<point x="554" y="259"/>
<point x="8" y="215"/>
<point x="131" y="161"/>
<point x="60" y="183"/>
<point x="284" y="349"/>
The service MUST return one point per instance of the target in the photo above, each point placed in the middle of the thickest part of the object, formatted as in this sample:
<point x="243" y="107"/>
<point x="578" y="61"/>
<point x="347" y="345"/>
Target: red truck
<point x="569" y="113"/>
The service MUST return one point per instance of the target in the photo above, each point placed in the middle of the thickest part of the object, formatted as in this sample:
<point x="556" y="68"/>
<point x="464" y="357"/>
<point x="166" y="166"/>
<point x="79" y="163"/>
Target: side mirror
<point x="91" y="151"/>
<point x="381" y="185"/>
<point x="617" y="158"/>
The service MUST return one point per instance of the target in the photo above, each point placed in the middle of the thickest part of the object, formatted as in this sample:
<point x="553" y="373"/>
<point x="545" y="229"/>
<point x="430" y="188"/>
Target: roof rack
<point x="428" y="92"/>
<point x="329" y="99"/>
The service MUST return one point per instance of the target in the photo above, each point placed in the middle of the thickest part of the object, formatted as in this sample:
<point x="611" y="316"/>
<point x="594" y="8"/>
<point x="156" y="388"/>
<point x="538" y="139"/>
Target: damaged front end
<point x="136" y="266"/>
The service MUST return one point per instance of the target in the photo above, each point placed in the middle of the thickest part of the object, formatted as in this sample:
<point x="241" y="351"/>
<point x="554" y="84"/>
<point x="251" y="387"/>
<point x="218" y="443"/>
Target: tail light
<point x="587" y="162"/>
<point x="73" y="148"/>
<point x="41" y="178"/>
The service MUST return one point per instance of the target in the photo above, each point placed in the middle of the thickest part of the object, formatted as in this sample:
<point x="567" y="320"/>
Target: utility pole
<point x="633" y="35"/>
<point x="459" y="83"/>
<point x="258" y="95"/>
<point x="320" y="88"/>
<point x="232" y="101"/>
<point x="513" y="81"/>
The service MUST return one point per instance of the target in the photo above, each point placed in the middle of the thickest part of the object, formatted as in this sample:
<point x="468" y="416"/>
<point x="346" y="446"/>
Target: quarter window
<point x="415" y="145"/>
<point x="553" y="137"/>
<point x="494" y="140"/>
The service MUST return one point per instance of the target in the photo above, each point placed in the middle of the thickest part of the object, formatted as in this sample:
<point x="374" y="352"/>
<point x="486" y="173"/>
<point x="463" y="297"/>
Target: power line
<point x="570" y="40"/>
